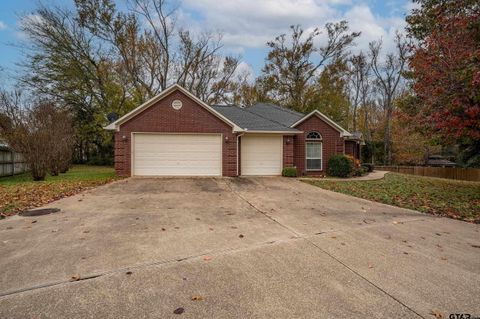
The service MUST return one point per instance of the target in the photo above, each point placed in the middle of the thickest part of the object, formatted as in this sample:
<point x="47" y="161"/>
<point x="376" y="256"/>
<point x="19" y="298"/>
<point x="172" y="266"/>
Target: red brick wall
<point x="332" y="143"/>
<point x="288" y="151"/>
<point x="161" y="117"/>
<point x="350" y="148"/>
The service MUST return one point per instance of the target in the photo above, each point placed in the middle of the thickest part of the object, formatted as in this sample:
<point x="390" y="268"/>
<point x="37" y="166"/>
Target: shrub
<point x="369" y="167"/>
<point x="359" y="171"/>
<point x="289" y="172"/>
<point x="339" y="166"/>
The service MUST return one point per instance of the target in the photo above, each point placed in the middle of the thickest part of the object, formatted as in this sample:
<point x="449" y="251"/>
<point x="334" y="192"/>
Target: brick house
<point x="176" y="134"/>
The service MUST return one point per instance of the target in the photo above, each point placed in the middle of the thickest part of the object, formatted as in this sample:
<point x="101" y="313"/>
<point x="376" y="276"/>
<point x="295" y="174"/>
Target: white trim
<point x="132" y="148"/>
<point x="116" y="125"/>
<point x="343" y="132"/>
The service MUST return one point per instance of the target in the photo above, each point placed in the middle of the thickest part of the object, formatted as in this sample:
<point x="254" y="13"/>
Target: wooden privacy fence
<point x="11" y="163"/>
<point x="465" y="174"/>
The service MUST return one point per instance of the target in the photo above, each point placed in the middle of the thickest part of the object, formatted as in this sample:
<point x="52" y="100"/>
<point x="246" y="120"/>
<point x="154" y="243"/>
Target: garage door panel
<point x="261" y="154"/>
<point x="177" y="155"/>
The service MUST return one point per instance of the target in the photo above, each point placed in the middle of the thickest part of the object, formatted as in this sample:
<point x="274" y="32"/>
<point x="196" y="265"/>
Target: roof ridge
<point x="282" y="108"/>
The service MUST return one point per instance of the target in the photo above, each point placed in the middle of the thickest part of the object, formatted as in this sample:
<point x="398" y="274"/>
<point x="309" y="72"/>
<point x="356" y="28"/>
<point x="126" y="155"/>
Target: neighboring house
<point x="176" y="134"/>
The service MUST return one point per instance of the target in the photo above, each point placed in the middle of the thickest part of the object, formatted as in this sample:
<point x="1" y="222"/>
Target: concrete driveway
<point x="235" y="248"/>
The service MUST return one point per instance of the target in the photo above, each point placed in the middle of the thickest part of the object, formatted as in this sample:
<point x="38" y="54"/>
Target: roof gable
<point x="116" y="124"/>
<point x="343" y="132"/>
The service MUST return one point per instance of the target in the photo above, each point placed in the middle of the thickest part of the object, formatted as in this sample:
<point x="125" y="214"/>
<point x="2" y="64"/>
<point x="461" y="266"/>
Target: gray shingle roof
<point x="276" y="113"/>
<point x="250" y="120"/>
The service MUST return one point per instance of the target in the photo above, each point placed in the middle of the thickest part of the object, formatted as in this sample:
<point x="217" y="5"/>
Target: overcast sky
<point x="246" y="24"/>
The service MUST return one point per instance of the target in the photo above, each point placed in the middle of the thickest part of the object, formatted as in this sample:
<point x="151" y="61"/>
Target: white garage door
<point x="177" y="155"/>
<point x="261" y="154"/>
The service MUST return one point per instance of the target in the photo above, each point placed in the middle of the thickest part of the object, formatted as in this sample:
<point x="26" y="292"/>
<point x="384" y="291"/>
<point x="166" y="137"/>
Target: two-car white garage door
<point x="177" y="154"/>
<point x="201" y="154"/>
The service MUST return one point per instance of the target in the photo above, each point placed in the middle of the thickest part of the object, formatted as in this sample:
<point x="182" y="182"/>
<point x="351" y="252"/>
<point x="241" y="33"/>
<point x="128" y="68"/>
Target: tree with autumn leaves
<point x="445" y="69"/>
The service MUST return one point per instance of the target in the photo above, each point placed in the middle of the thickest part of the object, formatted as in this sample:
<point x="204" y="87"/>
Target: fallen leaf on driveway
<point x="475" y="246"/>
<point x="333" y="237"/>
<point x="86" y="231"/>
<point x="197" y="297"/>
<point x="211" y="228"/>
<point x="436" y="314"/>
<point x="179" y="311"/>
<point x="444" y="258"/>
<point x="163" y="229"/>
<point x="241" y="236"/>
<point x="34" y="221"/>
<point x="405" y="253"/>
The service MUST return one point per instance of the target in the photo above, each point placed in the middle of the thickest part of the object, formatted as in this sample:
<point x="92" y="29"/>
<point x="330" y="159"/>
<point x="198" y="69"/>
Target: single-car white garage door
<point x="177" y="154"/>
<point x="261" y="154"/>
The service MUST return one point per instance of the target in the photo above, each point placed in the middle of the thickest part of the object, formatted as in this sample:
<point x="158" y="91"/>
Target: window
<point x="313" y="149"/>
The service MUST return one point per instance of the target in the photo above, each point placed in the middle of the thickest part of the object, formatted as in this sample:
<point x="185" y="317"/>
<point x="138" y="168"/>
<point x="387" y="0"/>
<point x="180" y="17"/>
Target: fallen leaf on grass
<point x="241" y="236"/>
<point x="405" y="253"/>
<point x="444" y="258"/>
<point x="207" y="258"/>
<point x="75" y="277"/>
<point x="197" y="298"/>
<point x="128" y="273"/>
<point x="370" y="266"/>
<point x="34" y="221"/>
<point x="86" y="231"/>
<point x="163" y="229"/>
<point x="475" y="246"/>
<point x="211" y="228"/>
<point x="333" y="237"/>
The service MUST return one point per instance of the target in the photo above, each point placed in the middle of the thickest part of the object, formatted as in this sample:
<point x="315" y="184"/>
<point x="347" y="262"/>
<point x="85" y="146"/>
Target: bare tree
<point x="388" y="73"/>
<point x="293" y="62"/>
<point x="41" y="132"/>
<point x="360" y="88"/>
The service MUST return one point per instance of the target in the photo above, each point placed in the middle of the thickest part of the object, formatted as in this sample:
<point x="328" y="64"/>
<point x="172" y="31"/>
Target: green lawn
<point x="20" y="192"/>
<point x="455" y="199"/>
